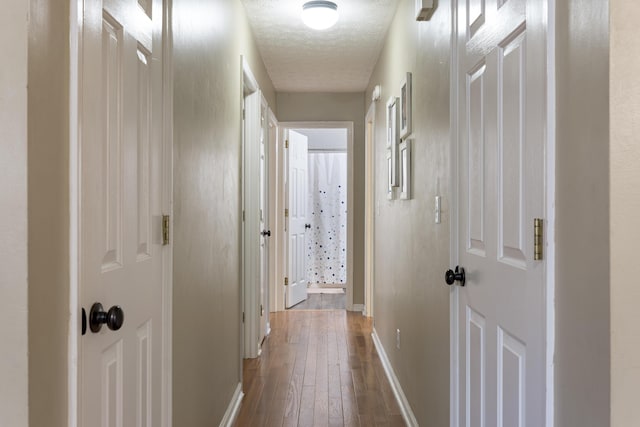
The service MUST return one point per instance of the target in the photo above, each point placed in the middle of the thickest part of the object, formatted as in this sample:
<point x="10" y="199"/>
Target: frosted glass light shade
<point x="320" y="15"/>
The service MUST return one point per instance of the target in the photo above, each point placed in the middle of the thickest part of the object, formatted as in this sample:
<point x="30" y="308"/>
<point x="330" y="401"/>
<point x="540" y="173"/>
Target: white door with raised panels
<point x="121" y="200"/>
<point x="264" y="223"/>
<point x="501" y="329"/>
<point x="296" y="290"/>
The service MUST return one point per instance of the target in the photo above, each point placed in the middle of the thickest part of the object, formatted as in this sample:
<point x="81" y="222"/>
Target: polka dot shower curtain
<point x="327" y="250"/>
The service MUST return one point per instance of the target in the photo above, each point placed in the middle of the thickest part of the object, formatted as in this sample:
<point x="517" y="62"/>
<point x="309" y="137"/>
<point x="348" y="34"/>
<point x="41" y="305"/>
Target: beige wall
<point x="624" y="164"/>
<point x="582" y="216"/>
<point x="13" y="214"/>
<point x="48" y="211"/>
<point x="411" y="251"/>
<point x="209" y="38"/>
<point x="350" y="107"/>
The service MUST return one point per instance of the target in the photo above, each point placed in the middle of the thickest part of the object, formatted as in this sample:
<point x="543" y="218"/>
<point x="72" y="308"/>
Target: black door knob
<point x="452" y="276"/>
<point x="114" y="318"/>
<point x="307" y="226"/>
<point x="266" y="233"/>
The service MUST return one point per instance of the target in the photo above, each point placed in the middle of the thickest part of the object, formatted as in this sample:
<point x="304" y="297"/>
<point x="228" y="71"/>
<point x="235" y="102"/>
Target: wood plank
<point x="318" y="368"/>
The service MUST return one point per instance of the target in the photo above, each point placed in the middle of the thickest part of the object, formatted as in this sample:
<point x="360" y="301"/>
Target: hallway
<point x="318" y="368"/>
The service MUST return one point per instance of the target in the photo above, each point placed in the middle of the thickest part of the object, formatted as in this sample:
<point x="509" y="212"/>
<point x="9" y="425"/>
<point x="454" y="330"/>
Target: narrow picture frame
<point x="405" y="106"/>
<point x="405" y="169"/>
<point x="393" y="137"/>
<point x="389" y="172"/>
<point x="424" y="9"/>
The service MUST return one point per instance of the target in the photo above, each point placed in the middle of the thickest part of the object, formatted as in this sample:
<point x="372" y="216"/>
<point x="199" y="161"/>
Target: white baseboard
<point x="234" y="406"/>
<point x="405" y="408"/>
<point x="357" y="307"/>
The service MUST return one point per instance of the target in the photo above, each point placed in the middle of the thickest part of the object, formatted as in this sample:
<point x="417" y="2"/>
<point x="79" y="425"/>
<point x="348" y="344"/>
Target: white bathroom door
<point x="121" y="249"/>
<point x="296" y="290"/>
<point x="501" y="308"/>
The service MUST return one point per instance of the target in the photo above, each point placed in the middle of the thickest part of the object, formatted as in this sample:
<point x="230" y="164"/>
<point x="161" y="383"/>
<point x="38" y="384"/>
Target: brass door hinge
<point x="165" y="230"/>
<point x="243" y="317"/>
<point x="286" y="281"/>
<point x="538" y="237"/>
<point x="286" y="213"/>
<point x="286" y="143"/>
<point x="261" y="310"/>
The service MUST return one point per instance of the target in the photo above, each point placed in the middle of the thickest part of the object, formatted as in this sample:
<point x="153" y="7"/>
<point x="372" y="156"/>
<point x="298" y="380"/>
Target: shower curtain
<point x="327" y="251"/>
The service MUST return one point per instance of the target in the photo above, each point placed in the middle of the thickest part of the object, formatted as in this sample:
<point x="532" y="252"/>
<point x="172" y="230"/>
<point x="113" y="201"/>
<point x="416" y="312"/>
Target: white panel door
<point x="501" y="309"/>
<point x="121" y="173"/>
<point x="264" y="224"/>
<point x="297" y="204"/>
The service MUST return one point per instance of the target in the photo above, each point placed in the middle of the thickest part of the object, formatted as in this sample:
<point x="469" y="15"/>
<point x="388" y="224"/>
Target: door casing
<point x="277" y="288"/>
<point x="369" y="209"/>
<point x="250" y="319"/>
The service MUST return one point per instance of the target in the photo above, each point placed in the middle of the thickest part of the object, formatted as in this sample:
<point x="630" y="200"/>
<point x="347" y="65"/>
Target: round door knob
<point x="114" y="318"/>
<point x="452" y="276"/>
<point x="266" y="233"/>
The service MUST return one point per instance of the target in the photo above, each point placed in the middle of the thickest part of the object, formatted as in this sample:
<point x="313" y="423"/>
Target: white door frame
<point x="250" y="223"/>
<point x="549" y="191"/>
<point x="285" y="126"/>
<point x="75" y="80"/>
<point x="369" y="208"/>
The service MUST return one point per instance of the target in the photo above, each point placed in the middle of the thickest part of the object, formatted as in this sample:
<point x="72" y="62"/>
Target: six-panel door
<point x="121" y="210"/>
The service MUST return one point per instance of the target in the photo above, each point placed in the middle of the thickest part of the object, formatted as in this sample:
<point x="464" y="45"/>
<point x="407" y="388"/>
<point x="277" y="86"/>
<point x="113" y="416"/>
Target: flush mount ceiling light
<point x="320" y="15"/>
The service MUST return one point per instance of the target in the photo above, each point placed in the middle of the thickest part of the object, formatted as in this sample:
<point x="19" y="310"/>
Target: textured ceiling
<point x="340" y="59"/>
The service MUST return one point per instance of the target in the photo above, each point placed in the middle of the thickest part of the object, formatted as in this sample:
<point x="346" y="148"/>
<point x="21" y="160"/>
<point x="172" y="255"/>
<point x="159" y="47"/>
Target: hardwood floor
<point x="322" y="302"/>
<point x="318" y="368"/>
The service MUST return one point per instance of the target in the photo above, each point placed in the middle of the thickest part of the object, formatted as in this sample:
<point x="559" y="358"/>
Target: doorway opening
<point x="326" y="234"/>
<point x="318" y="236"/>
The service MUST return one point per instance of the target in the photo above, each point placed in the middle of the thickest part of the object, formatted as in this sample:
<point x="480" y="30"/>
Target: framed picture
<point x="405" y="169"/>
<point x="424" y="9"/>
<point x="393" y="137"/>
<point x="389" y="185"/>
<point x="405" y="106"/>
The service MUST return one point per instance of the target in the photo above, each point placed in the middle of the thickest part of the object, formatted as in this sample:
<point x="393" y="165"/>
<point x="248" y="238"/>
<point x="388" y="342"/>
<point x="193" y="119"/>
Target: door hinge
<point x="165" y="230"/>
<point x="286" y="213"/>
<point x="243" y="317"/>
<point x="286" y="281"/>
<point x="243" y="216"/>
<point x="286" y="143"/>
<point x="261" y="310"/>
<point x="243" y="114"/>
<point x="538" y="237"/>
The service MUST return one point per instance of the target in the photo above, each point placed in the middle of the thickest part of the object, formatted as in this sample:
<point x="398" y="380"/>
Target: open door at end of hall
<point x="296" y="205"/>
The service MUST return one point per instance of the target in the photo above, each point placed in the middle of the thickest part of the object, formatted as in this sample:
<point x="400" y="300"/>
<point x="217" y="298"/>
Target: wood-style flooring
<point x="322" y="302"/>
<point x="318" y="368"/>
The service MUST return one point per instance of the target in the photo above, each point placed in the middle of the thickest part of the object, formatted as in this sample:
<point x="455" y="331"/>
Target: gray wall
<point x="13" y="215"/>
<point x="625" y="210"/>
<point x="48" y="212"/>
<point x="582" y="216"/>
<point x="350" y="107"/>
<point x="411" y="251"/>
<point x="209" y="38"/>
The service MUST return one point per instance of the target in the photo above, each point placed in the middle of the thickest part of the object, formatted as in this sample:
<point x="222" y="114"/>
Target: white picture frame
<point x="405" y="106"/>
<point x="424" y="9"/>
<point x="393" y="137"/>
<point x="389" y="172"/>
<point x="405" y="169"/>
